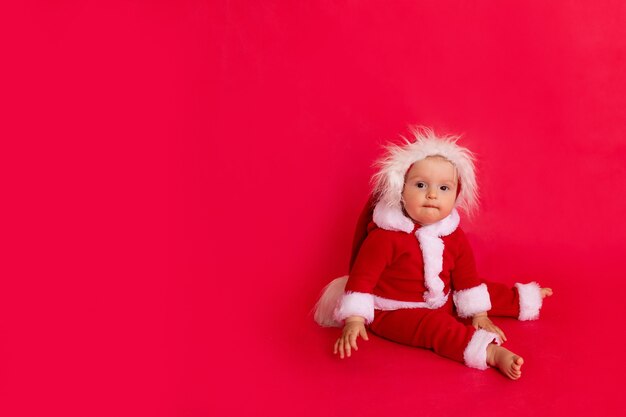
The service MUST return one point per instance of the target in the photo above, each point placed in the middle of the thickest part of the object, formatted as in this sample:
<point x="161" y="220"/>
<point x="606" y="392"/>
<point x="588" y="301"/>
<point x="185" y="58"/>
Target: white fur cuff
<point x="472" y="301"/>
<point x="475" y="354"/>
<point x="530" y="300"/>
<point x="356" y="304"/>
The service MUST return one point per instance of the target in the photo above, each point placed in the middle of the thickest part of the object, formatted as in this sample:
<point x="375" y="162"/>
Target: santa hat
<point x="389" y="180"/>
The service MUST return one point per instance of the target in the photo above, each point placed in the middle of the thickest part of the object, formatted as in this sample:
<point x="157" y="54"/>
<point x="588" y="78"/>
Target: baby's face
<point x="430" y="190"/>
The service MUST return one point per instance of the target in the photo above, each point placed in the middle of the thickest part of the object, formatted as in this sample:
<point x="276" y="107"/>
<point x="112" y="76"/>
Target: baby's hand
<point x="354" y="327"/>
<point x="481" y="321"/>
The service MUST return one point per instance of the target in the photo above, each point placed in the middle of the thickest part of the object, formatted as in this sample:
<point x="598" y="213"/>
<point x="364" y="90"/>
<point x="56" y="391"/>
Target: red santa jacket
<point x="413" y="267"/>
<point x="390" y="265"/>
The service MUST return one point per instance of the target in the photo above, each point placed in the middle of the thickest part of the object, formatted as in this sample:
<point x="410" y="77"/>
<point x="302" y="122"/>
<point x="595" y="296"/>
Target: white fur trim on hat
<point x="530" y="300"/>
<point x="472" y="301"/>
<point x="356" y="304"/>
<point x="389" y="180"/>
<point x="475" y="354"/>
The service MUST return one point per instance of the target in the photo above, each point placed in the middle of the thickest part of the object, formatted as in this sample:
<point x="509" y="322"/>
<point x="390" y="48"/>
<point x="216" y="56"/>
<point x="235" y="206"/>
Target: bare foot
<point x="546" y="292"/>
<point x="506" y="361"/>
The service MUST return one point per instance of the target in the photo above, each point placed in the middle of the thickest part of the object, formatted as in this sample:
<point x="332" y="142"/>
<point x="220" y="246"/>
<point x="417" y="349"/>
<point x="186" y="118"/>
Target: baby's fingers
<point x="495" y="329"/>
<point x="502" y="335"/>
<point x="346" y="345"/>
<point x="353" y="337"/>
<point x="363" y="334"/>
<point x="339" y="347"/>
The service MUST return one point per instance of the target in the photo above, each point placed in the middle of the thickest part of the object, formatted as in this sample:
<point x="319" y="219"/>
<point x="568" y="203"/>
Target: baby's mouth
<point x="429" y="206"/>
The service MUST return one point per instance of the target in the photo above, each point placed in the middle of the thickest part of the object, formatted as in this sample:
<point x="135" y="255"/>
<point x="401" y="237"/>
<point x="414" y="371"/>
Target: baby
<point x="415" y="255"/>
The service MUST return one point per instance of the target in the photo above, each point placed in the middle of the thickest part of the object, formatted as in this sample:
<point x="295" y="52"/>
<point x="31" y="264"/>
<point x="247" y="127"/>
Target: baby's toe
<point x="512" y="375"/>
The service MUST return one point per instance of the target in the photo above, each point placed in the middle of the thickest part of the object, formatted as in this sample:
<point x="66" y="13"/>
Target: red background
<point x="181" y="178"/>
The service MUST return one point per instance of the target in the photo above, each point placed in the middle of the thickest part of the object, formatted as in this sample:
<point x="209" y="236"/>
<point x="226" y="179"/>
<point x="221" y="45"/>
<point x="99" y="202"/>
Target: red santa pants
<point x="441" y="330"/>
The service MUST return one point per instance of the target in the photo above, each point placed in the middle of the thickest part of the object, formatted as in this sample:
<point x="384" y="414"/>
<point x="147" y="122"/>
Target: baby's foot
<point x="546" y="292"/>
<point x="506" y="361"/>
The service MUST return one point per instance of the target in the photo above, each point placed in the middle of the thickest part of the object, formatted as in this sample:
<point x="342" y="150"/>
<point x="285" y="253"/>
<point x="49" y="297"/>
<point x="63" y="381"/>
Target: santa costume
<point x="414" y="284"/>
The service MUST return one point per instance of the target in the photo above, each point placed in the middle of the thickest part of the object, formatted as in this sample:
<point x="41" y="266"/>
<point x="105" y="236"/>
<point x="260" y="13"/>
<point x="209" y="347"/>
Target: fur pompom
<point x="329" y="302"/>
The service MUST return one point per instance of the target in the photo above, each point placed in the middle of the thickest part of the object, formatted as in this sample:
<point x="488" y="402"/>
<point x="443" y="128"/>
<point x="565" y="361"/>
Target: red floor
<point x="573" y="362"/>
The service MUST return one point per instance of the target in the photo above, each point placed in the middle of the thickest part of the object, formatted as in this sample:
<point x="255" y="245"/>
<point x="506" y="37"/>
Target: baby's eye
<point x="421" y="185"/>
<point x="444" y="188"/>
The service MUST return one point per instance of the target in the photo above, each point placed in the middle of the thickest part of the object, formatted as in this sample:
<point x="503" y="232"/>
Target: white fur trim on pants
<point x="356" y="304"/>
<point x="530" y="300"/>
<point x="472" y="301"/>
<point x="475" y="354"/>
